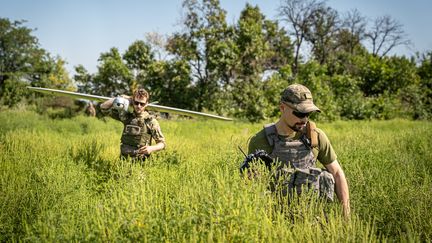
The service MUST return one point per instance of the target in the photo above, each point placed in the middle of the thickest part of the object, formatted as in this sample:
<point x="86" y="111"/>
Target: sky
<point x="80" y="30"/>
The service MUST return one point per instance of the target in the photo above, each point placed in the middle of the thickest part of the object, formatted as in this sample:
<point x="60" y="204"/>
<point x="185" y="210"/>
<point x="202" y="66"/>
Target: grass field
<point x="61" y="180"/>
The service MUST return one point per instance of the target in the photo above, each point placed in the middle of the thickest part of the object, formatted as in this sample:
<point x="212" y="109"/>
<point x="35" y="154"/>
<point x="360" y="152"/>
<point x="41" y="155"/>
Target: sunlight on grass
<point x="62" y="180"/>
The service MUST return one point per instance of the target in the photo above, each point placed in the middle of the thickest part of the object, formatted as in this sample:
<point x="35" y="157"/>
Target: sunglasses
<point x="139" y="103"/>
<point x="300" y="115"/>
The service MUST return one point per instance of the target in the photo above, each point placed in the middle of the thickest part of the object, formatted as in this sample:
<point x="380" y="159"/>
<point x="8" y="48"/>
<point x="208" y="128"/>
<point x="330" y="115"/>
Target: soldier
<point x="140" y="128"/>
<point x="297" y="144"/>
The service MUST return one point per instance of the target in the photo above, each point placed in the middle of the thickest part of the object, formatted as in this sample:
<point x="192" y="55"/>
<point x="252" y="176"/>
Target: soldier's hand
<point x="145" y="150"/>
<point x="127" y="97"/>
<point x="346" y="210"/>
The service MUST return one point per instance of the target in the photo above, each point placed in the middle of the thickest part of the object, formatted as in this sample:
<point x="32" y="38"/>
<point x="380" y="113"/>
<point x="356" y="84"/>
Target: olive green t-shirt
<point x="324" y="153"/>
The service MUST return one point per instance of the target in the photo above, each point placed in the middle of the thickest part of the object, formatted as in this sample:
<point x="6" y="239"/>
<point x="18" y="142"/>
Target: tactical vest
<point x="295" y="153"/>
<point x="297" y="169"/>
<point x="136" y="132"/>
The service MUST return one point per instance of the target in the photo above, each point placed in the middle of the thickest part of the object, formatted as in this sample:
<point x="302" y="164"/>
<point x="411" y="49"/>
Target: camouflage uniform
<point x="139" y="130"/>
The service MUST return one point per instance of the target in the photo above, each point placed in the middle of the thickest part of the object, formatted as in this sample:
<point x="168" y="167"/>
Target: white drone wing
<point x="150" y="106"/>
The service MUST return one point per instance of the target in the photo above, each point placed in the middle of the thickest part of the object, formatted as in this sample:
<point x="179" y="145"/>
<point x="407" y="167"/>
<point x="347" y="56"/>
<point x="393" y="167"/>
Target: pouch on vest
<point x="326" y="185"/>
<point x="133" y="130"/>
<point x="127" y="150"/>
<point x="288" y="181"/>
<point x="131" y="151"/>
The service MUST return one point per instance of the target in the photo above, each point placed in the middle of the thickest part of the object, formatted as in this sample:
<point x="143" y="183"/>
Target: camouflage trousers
<point x="289" y="181"/>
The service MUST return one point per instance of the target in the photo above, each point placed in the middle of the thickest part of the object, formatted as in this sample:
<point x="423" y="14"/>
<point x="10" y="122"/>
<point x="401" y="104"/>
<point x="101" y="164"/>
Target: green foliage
<point x="248" y="88"/>
<point x="313" y="76"/>
<point x="321" y="32"/>
<point x="255" y="97"/>
<point x="54" y="75"/>
<point x="61" y="180"/>
<point x="251" y="42"/>
<point x="386" y="74"/>
<point x="249" y="100"/>
<point x="17" y="50"/>
<point x="83" y="79"/>
<point x="12" y="91"/>
<point x="425" y="89"/>
<point x="415" y="102"/>
<point x="113" y="75"/>
<point x="23" y="61"/>
<point x="138" y="58"/>
<point x="205" y="42"/>
<point x="235" y="69"/>
<point x="273" y="87"/>
<point x="351" y="103"/>
<point x="169" y="84"/>
<point x="280" y="52"/>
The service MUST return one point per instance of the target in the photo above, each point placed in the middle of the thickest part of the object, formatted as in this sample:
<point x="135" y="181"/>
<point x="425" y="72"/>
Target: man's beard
<point x="297" y="126"/>
<point x="138" y="111"/>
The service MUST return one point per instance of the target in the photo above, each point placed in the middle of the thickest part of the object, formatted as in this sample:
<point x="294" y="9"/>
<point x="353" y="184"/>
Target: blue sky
<point x="80" y="30"/>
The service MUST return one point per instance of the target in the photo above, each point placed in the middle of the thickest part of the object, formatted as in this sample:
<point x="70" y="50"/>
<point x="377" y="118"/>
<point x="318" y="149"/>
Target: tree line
<point x="240" y="69"/>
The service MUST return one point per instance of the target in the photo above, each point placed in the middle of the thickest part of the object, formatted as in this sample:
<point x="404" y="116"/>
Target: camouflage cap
<point x="299" y="97"/>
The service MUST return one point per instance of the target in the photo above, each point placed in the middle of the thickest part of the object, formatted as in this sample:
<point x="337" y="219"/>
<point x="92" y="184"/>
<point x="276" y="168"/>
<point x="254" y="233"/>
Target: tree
<point x="113" y="75"/>
<point x="425" y="73"/>
<point x="21" y="58"/>
<point x="168" y="83"/>
<point x="83" y="80"/>
<point x="157" y="44"/>
<point x="389" y="74"/>
<point x="251" y="42"/>
<point x="59" y="77"/>
<point x="324" y="26"/>
<point x="298" y="14"/>
<point x="352" y="32"/>
<point x="253" y="54"/>
<point x="23" y="63"/>
<point x="263" y="49"/>
<point x="138" y="58"/>
<point x="279" y="44"/>
<point x="207" y="46"/>
<point x="315" y="77"/>
<point x="386" y="34"/>
<point x="348" y="46"/>
<point x="16" y="48"/>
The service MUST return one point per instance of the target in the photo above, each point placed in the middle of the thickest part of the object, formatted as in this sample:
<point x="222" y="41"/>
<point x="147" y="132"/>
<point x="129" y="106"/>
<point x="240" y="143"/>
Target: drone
<point x="122" y="104"/>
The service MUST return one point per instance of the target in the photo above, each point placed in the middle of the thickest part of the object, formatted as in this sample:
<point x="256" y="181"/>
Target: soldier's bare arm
<point x="341" y="185"/>
<point x="107" y="104"/>
<point x="150" y="149"/>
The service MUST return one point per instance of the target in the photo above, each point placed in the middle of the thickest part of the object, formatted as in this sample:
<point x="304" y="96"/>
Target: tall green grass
<point x="61" y="180"/>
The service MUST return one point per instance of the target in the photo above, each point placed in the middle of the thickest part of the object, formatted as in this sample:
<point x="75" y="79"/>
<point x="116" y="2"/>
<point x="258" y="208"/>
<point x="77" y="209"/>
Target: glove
<point x="259" y="155"/>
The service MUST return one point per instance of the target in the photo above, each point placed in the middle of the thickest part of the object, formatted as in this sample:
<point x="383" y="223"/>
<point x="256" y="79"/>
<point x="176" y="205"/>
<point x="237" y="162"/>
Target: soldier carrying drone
<point x="140" y="128"/>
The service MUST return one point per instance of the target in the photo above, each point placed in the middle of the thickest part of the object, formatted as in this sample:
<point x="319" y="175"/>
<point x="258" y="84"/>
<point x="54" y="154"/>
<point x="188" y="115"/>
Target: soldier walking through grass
<point x="297" y="144"/>
<point x="140" y="128"/>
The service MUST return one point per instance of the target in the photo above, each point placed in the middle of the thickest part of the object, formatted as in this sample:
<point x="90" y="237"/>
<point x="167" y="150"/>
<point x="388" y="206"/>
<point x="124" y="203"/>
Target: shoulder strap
<point x="312" y="134"/>
<point x="271" y="133"/>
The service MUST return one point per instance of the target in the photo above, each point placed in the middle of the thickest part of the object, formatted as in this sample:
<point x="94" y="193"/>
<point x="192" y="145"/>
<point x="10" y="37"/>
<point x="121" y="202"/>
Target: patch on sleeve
<point x="156" y="131"/>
